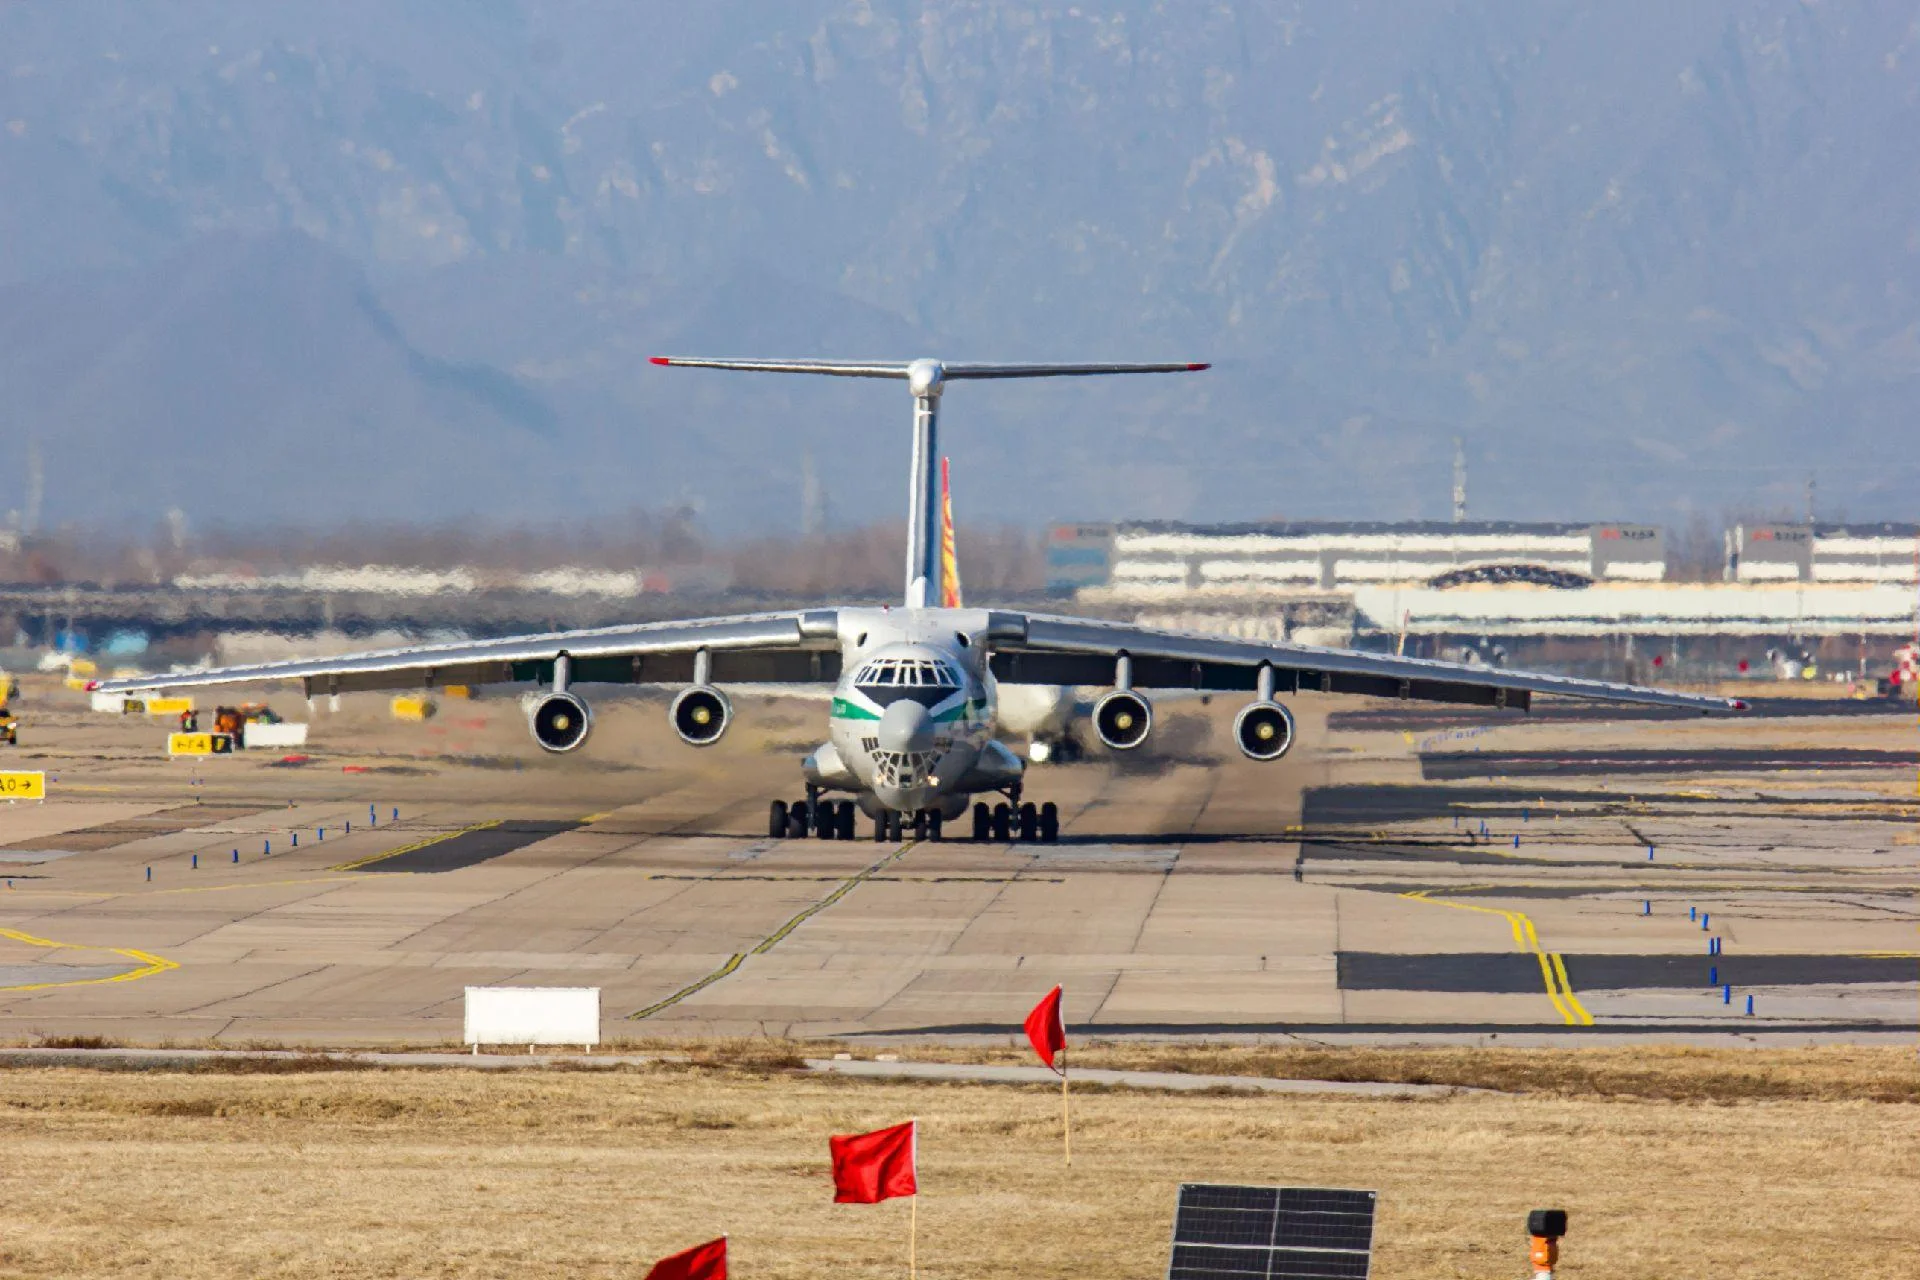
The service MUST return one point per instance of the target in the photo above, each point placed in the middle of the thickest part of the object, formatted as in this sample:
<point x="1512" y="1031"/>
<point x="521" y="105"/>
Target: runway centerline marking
<point x="774" y="939"/>
<point x="418" y="844"/>
<point x="1553" y="969"/>
<point x="150" y="964"/>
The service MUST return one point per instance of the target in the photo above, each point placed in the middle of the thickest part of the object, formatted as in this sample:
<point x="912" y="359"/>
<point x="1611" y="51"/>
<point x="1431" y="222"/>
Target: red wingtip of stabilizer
<point x="659" y="360"/>
<point x="92" y="685"/>
<point x="1739" y="704"/>
<point x="1195" y="368"/>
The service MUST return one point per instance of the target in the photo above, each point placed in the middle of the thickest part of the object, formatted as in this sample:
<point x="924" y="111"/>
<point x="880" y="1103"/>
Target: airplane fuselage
<point x="912" y="720"/>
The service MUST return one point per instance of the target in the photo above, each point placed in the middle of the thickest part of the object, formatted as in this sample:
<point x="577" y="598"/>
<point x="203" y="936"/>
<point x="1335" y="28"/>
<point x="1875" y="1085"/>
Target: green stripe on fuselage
<point x="967" y="710"/>
<point x="846" y="710"/>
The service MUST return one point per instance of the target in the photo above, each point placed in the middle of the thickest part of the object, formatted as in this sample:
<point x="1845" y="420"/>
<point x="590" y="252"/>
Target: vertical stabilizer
<point x="949" y="551"/>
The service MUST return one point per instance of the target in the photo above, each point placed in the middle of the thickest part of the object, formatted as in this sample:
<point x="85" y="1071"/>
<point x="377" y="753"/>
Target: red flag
<point x="871" y="1167"/>
<point x="1047" y="1027"/>
<point x="702" y="1262"/>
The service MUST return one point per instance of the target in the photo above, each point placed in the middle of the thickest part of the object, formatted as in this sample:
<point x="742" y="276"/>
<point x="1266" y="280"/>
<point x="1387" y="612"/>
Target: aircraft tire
<point x="982" y="822"/>
<point x="1049" y="823"/>
<point x="880" y="826"/>
<point x="846" y="819"/>
<point x="1002" y="823"/>
<point x="797" y="824"/>
<point x="1029" y="822"/>
<point x="935" y="825"/>
<point x="777" y="820"/>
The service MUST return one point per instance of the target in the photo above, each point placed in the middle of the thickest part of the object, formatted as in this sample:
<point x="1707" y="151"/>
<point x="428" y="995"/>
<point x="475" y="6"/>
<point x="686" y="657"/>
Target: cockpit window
<point x="909" y="671"/>
<point x="930" y="680"/>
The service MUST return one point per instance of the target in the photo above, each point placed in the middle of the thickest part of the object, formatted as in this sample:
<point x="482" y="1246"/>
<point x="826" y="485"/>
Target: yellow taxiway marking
<point x="1553" y="969"/>
<point x="773" y="939"/>
<point x="150" y="964"/>
<point x="370" y="859"/>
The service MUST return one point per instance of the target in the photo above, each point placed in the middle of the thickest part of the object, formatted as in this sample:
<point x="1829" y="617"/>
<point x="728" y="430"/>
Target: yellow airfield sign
<point x="168" y="706"/>
<point x="199" y="744"/>
<point x="23" y="786"/>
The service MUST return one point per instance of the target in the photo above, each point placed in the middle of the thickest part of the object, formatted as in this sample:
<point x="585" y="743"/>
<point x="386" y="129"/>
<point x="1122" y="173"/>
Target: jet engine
<point x="560" y="721"/>
<point x="1123" y="719"/>
<point x="700" y="715"/>
<point x="1263" y="730"/>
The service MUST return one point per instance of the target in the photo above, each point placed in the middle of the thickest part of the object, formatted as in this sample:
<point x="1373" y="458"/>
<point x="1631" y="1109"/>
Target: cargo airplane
<point x="913" y="690"/>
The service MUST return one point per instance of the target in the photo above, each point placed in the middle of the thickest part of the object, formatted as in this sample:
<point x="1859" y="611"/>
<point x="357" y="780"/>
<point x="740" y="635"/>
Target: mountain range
<point x="314" y="263"/>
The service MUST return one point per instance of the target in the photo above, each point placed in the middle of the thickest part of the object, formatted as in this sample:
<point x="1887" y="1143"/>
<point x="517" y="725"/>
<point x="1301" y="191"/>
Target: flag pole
<point x="1066" y="1113"/>
<point x="913" y="1210"/>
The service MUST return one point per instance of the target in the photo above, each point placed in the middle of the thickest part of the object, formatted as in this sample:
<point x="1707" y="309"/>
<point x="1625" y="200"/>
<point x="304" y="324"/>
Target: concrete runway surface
<point x="1366" y="887"/>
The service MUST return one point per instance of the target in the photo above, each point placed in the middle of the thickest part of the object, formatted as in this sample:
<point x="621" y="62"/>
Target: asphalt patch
<point x="1518" y="973"/>
<point x="1415" y="717"/>
<point x="1375" y="803"/>
<point x="470" y="848"/>
<point x="1452" y="855"/>
<point x="1540" y="764"/>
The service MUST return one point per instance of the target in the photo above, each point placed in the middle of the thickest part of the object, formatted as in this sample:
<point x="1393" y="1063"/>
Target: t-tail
<point x="925" y="379"/>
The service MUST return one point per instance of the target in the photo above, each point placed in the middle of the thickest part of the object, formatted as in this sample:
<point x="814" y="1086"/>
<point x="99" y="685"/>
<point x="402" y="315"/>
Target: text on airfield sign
<point x="23" y="786"/>
<point x="199" y="744"/>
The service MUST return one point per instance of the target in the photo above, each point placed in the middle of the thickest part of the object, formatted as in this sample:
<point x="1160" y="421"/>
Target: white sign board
<point x="284" y="734"/>
<point x="533" y="1015"/>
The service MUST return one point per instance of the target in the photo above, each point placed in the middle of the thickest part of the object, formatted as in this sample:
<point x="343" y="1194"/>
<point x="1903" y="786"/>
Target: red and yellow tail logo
<point x="949" y="558"/>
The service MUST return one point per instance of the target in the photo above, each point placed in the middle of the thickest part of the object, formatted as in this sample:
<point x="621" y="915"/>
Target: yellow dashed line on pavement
<point x="1553" y="969"/>
<point x="773" y="939"/>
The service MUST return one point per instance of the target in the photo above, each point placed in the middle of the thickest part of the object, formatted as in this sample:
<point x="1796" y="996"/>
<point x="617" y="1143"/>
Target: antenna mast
<point x="1459" y="482"/>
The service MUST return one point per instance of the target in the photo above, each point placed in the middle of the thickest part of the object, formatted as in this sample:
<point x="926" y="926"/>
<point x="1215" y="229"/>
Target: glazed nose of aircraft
<point x="905" y="726"/>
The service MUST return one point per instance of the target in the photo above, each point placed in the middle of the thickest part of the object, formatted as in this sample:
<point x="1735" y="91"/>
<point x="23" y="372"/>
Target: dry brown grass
<point x="1828" y="1073"/>
<point x="578" y="1173"/>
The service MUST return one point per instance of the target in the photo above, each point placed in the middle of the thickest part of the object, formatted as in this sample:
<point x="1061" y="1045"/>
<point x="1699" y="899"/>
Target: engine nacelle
<point x="560" y="721"/>
<point x="700" y="715"/>
<point x="1263" y="730"/>
<point x="1123" y="719"/>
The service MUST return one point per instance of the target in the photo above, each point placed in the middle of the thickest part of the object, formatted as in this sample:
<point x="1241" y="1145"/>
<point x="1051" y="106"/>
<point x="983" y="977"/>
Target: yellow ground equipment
<point x="9" y="723"/>
<point x="413" y="706"/>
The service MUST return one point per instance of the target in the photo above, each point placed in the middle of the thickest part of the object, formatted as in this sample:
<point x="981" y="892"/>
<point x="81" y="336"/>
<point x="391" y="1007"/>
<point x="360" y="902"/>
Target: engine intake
<point x="700" y="715"/>
<point x="1263" y="730"/>
<point x="560" y="722"/>
<point x="1122" y="719"/>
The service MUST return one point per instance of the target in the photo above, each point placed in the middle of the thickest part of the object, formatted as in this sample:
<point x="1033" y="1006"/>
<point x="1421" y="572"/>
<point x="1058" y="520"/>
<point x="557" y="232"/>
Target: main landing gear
<point x="1005" y="822"/>
<point x="827" y="819"/>
<point x="834" y="820"/>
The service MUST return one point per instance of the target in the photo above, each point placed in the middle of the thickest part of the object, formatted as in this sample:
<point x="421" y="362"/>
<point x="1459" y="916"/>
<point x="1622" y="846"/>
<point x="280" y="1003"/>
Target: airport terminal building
<point x="1170" y="560"/>
<point x="1598" y="598"/>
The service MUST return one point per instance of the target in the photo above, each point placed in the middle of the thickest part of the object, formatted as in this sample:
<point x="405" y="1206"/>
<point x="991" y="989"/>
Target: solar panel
<point x="1271" y="1233"/>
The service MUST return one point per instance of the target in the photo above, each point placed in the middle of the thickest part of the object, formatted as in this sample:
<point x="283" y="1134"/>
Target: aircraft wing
<point x="1038" y="649"/>
<point x="777" y="648"/>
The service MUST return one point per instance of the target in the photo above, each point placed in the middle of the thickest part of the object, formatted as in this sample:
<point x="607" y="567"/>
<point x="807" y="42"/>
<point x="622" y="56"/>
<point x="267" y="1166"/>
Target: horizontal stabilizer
<point x="904" y="368"/>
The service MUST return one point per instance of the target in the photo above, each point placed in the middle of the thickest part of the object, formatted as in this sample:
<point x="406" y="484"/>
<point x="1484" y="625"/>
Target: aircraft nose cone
<point x="905" y="726"/>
